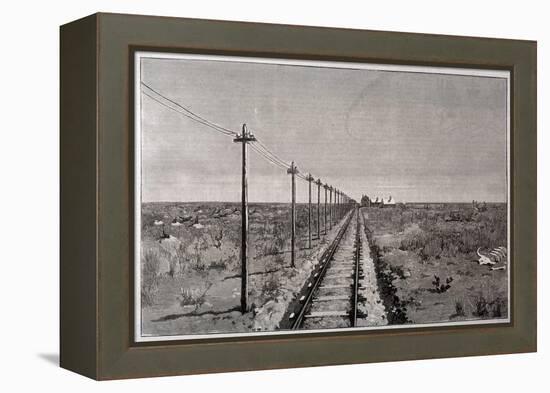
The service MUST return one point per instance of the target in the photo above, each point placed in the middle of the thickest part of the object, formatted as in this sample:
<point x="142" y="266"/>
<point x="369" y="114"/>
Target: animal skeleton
<point x="498" y="268"/>
<point x="484" y="260"/>
<point x="497" y="254"/>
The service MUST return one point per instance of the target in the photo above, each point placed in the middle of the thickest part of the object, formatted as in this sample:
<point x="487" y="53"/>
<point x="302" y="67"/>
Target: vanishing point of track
<point x="331" y="294"/>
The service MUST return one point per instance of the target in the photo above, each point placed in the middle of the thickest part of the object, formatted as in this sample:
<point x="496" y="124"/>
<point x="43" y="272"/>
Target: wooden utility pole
<point x="292" y="171"/>
<point x="244" y="138"/>
<point x="309" y="179"/>
<point x="330" y="206"/>
<point x="318" y="182"/>
<point x="335" y="210"/>
<point x="343" y="201"/>
<point x="325" y="221"/>
<point x="337" y="205"/>
<point x="340" y="203"/>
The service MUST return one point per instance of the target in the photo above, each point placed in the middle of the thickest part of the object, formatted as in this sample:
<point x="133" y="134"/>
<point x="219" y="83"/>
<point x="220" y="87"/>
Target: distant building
<point x="390" y="202"/>
<point x="366" y="201"/>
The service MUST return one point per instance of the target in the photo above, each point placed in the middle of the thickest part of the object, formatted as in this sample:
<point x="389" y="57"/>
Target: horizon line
<point x="315" y="202"/>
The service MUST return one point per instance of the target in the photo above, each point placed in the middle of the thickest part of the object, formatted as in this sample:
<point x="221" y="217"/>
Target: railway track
<point x="331" y="296"/>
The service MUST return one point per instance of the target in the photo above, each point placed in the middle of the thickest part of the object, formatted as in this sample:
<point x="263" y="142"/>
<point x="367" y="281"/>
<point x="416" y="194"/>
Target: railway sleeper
<point x="324" y="314"/>
<point x="331" y="276"/>
<point x="331" y="298"/>
<point x="335" y="286"/>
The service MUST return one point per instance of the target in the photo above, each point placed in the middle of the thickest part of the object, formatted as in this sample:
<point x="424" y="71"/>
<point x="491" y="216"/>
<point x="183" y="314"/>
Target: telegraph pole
<point x="340" y="200"/>
<point x="340" y="203"/>
<point x="335" y="213"/>
<point x="343" y="201"/>
<point x="244" y="138"/>
<point x="318" y="182"/>
<point x="309" y="180"/>
<point x="337" y="205"/>
<point x="343" y="204"/>
<point x="325" y="221"/>
<point x="330" y="206"/>
<point x="292" y="171"/>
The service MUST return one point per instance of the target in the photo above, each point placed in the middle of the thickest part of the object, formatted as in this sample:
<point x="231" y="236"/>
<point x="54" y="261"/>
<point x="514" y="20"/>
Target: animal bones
<point x="496" y="255"/>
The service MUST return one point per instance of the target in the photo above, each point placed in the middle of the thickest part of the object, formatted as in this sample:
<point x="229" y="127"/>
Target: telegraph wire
<point x="260" y="152"/>
<point x="273" y="157"/>
<point x="270" y="152"/>
<point x="259" y="147"/>
<point x="184" y="114"/>
<point x="188" y="112"/>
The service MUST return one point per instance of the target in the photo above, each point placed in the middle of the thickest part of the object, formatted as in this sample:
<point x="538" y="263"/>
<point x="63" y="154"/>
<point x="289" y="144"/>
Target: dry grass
<point x="436" y="246"/>
<point x="150" y="269"/>
<point x="205" y="247"/>
<point x="439" y="236"/>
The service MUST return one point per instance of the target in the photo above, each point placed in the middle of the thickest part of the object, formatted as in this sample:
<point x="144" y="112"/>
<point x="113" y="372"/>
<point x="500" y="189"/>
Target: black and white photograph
<point x="293" y="196"/>
<point x="275" y="197"/>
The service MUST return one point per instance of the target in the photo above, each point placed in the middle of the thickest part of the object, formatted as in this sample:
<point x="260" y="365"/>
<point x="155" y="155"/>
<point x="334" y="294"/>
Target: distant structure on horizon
<point x="366" y="201"/>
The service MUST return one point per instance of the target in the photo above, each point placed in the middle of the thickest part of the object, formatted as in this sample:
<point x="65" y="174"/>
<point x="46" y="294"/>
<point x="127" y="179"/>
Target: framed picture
<point x="241" y="196"/>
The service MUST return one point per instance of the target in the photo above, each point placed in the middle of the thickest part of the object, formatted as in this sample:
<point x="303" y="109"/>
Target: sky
<point x="416" y="136"/>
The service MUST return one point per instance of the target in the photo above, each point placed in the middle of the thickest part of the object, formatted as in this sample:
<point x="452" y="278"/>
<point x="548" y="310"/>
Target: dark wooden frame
<point x="97" y="196"/>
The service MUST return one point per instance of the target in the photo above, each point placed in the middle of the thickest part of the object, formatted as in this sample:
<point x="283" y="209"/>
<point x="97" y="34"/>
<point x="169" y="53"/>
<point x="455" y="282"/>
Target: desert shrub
<point x="198" y="261"/>
<point x="459" y="309"/>
<point x="188" y="296"/>
<point x="281" y="235"/>
<point x="485" y="308"/>
<point x="450" y="250"/>
<point x="413" y="242"/>
<point x="439" y="238"/>
<point x="181" y="257"/>
<point x="438" y="287"/>
<point x="398" y="271"/>
<point x="172" y="262"/>
<point x="386" y="249"/>
<point x="469" y="242"/>
<point x="219" y="264"/>
<point x="233" y="236"/>
<point x="262" y="231"/>
<point x="216" y="236"/>
<point x="498" y="307"/>
<point x="279" y="260"/>
<point x="271" y="286"/>
<point x="398" y="221"/>
<point x="302" y="218"/>
<point x="481" y="306"/>
<point x="232" y="261"/>
<point x="432" y="248"/>
<point x="193" y="297"/>
<point x="396" y="309"/>
<point x="268" y="248"/>
<point x="150" y="268"/>
<point x="200" y="265"/>
<point x="301" y="243"/>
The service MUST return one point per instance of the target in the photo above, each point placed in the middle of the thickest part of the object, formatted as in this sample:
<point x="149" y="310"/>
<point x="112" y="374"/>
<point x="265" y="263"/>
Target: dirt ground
<point x="191" y="266"/>
<point x="424" y="258"/>
<point x="427" y="265"/>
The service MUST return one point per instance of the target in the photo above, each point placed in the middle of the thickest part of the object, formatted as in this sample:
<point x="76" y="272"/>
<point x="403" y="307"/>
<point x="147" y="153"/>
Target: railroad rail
<point x="332" y="291"/>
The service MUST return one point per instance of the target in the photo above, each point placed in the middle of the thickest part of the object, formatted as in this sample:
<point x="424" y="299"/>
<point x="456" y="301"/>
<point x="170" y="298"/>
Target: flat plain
<point x="425" y="256"/>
